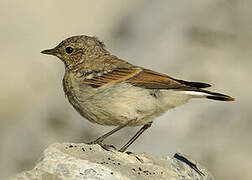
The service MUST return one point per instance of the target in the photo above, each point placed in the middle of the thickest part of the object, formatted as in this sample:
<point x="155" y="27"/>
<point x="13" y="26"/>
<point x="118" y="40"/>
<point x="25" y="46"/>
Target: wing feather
<point x="141" y="77"/>
<point x="114" y="76"/>
<point x="153" y="80"/>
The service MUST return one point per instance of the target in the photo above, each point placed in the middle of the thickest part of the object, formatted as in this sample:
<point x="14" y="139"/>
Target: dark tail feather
<point x="200" y="93"/>
<point x="193" y="84"/>
<point x="220" y="98"/>
<point x="217" y="96"/>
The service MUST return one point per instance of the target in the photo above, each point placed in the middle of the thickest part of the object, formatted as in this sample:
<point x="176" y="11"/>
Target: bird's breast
<point x="76" y="91"/>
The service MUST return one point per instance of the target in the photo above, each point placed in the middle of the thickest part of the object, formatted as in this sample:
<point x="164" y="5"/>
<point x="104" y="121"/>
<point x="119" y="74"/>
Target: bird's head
<point x="77" y="49"/>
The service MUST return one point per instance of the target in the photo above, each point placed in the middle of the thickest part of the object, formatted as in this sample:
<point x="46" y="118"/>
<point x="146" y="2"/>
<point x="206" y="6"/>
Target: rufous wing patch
<point x="114" y="76"/>
<point x="153" y="80"/>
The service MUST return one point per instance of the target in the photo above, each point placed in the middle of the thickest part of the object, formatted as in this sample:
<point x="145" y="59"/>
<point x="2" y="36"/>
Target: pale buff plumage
<point x="109" y="91"/>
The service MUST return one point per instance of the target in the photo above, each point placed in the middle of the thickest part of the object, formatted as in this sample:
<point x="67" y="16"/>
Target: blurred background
<point x="196" y="40"/>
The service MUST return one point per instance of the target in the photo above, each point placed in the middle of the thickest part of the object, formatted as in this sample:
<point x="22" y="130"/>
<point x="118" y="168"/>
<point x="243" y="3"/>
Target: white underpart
<point x="196" y="94"/>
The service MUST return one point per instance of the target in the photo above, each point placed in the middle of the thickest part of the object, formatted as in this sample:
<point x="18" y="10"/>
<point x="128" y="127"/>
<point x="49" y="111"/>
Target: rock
<point x="92" y="162"/>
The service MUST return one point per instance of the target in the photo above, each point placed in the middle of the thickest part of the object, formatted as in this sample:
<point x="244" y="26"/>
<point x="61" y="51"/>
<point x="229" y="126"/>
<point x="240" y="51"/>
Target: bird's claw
<point x="103" y="145"/>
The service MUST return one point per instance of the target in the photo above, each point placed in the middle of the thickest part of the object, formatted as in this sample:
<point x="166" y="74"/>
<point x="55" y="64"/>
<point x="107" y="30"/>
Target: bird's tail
<point x="200" y="93"/>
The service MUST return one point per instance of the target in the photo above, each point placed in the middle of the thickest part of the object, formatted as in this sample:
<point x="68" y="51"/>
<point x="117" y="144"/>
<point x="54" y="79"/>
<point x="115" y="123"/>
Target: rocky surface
<point x="82" y="161"/>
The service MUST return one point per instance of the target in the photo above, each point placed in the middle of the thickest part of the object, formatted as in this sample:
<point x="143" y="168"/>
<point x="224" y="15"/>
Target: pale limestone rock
<point x="91" y="162"/>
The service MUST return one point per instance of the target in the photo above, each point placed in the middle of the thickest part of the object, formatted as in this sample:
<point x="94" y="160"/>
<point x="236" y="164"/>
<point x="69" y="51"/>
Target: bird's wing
<point x="153" y="80"/>
<point x="141" y="77"/>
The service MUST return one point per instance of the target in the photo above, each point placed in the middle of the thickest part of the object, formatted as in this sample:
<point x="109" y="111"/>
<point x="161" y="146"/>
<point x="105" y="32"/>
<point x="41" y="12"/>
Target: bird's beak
<point x="50" y="52"/>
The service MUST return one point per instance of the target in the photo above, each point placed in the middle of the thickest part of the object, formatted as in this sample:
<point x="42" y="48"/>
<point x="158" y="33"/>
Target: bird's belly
<point x="115" y="105"/>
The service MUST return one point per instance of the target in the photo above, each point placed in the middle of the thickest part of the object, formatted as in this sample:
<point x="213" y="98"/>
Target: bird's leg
<point x="101" y="138"/>
<point x="146" y="126"/>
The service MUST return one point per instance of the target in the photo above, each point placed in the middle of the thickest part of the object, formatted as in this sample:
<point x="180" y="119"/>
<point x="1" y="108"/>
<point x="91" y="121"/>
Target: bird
<point x="110" y="91"/>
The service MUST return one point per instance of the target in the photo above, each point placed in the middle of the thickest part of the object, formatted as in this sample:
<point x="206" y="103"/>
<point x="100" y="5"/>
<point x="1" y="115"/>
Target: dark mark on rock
<point x="128" y="152"/>
<point x="189" y="163"/>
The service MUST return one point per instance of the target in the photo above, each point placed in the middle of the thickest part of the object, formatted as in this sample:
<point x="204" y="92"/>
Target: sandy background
<point x="193" y="40"/>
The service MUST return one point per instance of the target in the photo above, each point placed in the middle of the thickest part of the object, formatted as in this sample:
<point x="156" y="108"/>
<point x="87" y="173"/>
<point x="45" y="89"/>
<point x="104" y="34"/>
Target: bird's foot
<point x="94" y="142"/>
<point x="106" y="147"/>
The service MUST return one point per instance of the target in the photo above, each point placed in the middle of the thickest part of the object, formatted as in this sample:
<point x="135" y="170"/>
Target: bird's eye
<point x="69" y="50"/>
